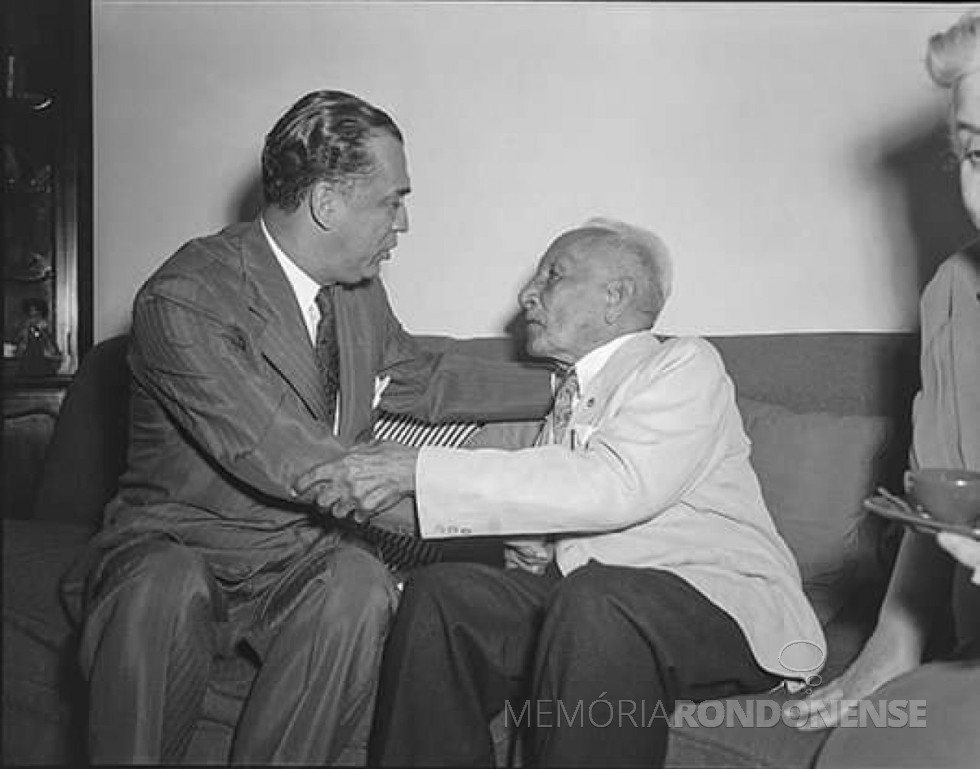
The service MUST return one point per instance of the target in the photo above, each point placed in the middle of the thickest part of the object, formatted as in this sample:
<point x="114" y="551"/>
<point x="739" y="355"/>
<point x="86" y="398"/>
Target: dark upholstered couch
<point x="828" y="417"/>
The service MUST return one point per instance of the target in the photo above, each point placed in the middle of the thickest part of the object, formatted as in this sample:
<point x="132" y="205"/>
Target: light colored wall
<point x="791" y="155"/>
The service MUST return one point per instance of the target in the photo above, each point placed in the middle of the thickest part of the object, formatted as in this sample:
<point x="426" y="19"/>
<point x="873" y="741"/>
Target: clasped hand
<point x="369" y="479"/>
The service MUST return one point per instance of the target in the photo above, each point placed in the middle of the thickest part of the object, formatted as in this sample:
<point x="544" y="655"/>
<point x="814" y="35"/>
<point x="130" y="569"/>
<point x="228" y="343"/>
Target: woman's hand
<point x="878" y="663"/>
<point x="964" y="550"/>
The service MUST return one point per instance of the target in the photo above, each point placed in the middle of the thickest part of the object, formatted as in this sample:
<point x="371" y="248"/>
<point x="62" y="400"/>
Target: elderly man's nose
<point x="528" y="295"/>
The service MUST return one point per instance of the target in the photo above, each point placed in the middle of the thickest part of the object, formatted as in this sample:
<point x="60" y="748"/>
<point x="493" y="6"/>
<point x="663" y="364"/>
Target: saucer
<point x="920" y="520"/>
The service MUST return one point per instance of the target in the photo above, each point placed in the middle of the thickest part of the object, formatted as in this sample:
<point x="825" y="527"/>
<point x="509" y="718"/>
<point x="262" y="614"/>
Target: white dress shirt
<point x="592" y="362"/>
<point x="304" y="287"/>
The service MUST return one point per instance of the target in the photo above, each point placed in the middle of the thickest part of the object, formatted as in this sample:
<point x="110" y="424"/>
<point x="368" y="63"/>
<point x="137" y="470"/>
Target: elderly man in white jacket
<point x="654" y="571"/>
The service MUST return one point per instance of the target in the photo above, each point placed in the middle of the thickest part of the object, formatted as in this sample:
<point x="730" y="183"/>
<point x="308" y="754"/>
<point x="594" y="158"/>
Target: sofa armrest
<point x="87" y="451"/>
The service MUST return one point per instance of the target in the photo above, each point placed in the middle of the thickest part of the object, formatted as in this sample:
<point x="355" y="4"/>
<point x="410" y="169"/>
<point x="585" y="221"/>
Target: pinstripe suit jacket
<point x="227" y="409"/>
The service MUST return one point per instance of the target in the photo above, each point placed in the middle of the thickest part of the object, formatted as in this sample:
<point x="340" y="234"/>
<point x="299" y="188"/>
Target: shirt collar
<point x="589" y="365"/>
<point x="304" y="287"/>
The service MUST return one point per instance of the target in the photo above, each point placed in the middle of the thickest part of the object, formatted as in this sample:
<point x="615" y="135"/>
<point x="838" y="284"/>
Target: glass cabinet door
<point x="35" y="333"/>
<point x="46" y="139"/>
<point x="45" y="226"/>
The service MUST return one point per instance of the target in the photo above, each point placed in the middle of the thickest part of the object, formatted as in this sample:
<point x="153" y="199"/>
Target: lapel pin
<point x="590" y="403"/>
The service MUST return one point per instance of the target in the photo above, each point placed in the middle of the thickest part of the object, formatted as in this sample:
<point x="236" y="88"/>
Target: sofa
<point x="828" y="417"/>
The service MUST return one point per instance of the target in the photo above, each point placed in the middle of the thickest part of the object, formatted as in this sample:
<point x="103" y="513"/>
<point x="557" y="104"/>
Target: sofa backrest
<point x="843" y="373"/>
<point x="873" y="374"/>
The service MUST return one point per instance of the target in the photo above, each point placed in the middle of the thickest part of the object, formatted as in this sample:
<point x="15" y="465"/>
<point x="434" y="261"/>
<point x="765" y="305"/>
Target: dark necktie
<point x="398" y="551"/>
<point x="327" y="349"/>
<point x="565" y="397"/>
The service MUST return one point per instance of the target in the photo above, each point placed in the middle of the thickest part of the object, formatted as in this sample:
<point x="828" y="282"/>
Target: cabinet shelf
<point x="48" y="274"/>
<point x="12" y="376"/>
<point x="27" y="103"/>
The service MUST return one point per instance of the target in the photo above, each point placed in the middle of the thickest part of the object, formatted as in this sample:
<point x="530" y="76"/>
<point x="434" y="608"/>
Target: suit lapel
<point x="357" y="365"/>
<point x="360" y="325"/>
<point x="281" y="330"/>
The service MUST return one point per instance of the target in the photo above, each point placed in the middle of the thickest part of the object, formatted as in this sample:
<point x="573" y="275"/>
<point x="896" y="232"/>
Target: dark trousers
<point x="152" y="632"/>
<point x="470" y="641"/>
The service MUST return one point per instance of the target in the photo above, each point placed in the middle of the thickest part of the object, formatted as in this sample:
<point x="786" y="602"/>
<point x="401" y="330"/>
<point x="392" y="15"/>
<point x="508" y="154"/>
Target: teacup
<point x="948" y="495"/>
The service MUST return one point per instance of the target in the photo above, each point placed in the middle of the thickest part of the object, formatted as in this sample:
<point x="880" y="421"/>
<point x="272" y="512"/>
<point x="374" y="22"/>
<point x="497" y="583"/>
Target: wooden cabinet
<point x="46" y="265"/>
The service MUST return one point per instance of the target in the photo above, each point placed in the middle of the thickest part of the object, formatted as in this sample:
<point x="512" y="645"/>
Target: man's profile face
<point x="370" y="215"/>
<point x="565" y="302"/>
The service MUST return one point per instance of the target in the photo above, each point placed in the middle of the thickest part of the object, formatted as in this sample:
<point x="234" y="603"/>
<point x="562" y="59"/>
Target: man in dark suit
<point x="257" y="353"/>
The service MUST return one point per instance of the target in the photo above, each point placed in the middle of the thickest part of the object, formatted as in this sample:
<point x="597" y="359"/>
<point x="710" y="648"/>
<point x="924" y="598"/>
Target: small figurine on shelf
<point x="11" y="166"/>
<point x="36" y="348"/>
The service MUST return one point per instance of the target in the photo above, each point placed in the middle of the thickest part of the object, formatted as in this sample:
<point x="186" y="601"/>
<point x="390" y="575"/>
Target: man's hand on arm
<point x="370" y="479"/>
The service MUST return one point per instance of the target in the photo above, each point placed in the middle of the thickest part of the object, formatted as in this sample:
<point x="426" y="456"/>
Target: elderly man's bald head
<point x="632" y="252"/>
<point x="595" y="282"/>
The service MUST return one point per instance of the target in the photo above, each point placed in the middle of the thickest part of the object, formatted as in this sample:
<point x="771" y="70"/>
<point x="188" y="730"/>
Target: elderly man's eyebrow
<point x="965" y="125"/>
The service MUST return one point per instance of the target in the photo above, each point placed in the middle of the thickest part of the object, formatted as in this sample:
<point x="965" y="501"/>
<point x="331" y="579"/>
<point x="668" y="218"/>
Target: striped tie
<point x="565" y="397"/>
<point x="399" y="552"/>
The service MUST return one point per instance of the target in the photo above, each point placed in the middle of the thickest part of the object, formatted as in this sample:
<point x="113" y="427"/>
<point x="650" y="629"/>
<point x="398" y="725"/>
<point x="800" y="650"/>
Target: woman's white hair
<point x="955" y="53"/>
<point x="651" y="256"/>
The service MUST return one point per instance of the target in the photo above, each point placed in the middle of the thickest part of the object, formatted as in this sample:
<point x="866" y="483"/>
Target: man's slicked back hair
<point x="322" y="137"/>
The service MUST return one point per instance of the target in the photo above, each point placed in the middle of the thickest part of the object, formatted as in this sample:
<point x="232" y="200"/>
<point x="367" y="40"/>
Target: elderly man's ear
<point x="620" y="294"/>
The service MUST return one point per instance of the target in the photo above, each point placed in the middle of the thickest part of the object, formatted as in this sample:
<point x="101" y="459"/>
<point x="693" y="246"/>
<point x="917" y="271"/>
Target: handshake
<point x="370" y="479"/>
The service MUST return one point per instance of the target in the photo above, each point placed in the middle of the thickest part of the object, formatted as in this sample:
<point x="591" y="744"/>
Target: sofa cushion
<point x="25" y="437"/>
<point x="43" y="694"/>
<point x="815" y="470"/>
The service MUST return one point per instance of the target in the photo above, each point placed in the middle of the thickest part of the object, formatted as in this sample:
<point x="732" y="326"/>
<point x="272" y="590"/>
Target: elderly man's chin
<point x="536" y="344"/>
<point x="532" y="332"/>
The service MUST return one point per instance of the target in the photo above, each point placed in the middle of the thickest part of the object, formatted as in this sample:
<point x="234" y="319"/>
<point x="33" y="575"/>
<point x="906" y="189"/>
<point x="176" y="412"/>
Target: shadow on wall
<point x="919" y="165"/>
<point x="922" y="165"/>
<point x="246" y="202"/>
<point x="516" y="329"/>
